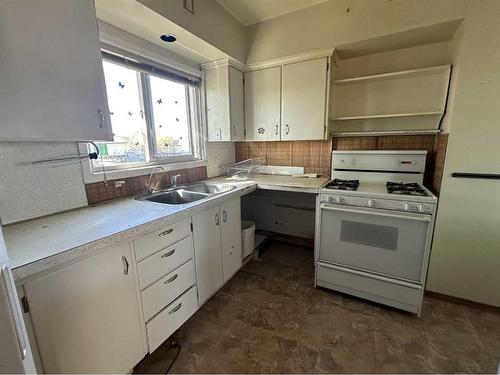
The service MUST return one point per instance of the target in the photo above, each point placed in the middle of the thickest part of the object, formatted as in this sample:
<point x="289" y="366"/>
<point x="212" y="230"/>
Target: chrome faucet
<point x="151" y="189"/>
<point x="173" y="181"/>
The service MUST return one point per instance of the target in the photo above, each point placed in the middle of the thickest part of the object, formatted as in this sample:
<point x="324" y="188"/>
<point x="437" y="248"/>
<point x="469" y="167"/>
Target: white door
<point x="231" y="237"/>
<point x="217" y="98"/>
<point x="304" y="100"/>
<point x="207" y="252"/>
<point x="263" y="104"/>
<point x="86" y="316"/>
<point x="236" y="107"/>
<point x="52" y="84"/>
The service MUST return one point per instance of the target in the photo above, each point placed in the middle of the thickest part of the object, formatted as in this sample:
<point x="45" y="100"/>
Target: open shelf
<point x="393" y="75"/>
<point x="346" y="118"/>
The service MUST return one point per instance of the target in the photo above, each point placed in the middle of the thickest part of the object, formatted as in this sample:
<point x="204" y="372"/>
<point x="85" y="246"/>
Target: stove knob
<point x="339" y="200"/>
<point x="420" y="208"/>
<point x="370" y="203"/>
<point x="406" y="207"/>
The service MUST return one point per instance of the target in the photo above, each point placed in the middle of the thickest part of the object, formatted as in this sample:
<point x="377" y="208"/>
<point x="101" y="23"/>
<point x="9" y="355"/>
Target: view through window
<point x="151" y="119"/>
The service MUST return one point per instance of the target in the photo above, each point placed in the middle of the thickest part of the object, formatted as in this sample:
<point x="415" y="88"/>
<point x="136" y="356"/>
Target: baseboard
<point x="462" y="301"/>
<point x="301" y="241"/>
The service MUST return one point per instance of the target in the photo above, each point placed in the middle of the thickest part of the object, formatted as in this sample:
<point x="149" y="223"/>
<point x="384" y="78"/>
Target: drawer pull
<point x="176" y="308"/>
<point x="168" y="254"/>
<point x="165" y="232"/>
<point x="171" y="279"/>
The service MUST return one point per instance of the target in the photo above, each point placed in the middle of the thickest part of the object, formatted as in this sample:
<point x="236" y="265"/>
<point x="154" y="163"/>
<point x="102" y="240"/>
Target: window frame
<point x="193" y="111"/>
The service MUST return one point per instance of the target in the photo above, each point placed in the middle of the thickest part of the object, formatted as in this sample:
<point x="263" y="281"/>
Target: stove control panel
<point x="377" y="203"/>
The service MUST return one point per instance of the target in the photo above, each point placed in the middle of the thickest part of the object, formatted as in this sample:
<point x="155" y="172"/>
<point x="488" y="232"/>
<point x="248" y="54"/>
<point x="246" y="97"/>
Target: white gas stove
<point x="374" y="224"/>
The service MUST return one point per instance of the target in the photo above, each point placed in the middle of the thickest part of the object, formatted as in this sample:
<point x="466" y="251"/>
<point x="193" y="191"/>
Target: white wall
<point x="219" y="154"/>
<point x="28" y="191"/>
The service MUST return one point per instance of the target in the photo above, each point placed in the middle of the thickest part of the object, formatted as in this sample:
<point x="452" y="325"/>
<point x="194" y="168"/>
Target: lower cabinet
<point x="217" y="244"/>
<point x="86" y="316"/>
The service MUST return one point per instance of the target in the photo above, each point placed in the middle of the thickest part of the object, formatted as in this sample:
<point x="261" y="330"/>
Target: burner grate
<point x="411" y="188"/>
<point x="339" y="184"/>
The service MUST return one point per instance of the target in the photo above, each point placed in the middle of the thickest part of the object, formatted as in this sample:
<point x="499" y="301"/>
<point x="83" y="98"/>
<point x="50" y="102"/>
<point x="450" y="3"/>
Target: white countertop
<point x="39" y="244"/>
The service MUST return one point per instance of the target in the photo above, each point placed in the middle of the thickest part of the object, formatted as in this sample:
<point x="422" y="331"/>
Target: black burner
<point x="339" y="184"/>
<point x="405" y="189"/>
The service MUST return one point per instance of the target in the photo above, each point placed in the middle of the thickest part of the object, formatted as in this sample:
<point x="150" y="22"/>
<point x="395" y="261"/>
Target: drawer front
<point x="164" y="261"/>
<point x="171" y="318"/>
<point x="152" y="242"/>
<point x="167" y="289"/>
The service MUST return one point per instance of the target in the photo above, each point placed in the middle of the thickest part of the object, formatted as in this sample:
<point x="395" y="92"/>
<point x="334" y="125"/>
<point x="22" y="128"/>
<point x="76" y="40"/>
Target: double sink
<point x="187" y="194"/>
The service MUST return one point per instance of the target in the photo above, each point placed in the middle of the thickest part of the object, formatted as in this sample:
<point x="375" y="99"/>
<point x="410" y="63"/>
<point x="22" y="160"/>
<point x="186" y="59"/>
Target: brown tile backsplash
<point x="100" y="191"/>
<point x="315" y="156"/>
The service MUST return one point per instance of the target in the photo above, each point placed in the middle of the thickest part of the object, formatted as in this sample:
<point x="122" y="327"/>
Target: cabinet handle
<point x="224" y="216"/>
<point x="165" y="232"/>
<point x="175" y="308"/>
<point x="276" y="131"/>
<point x="100" y="116"/>
<point x="217" y="221"/>
<point x="125" y="265"/>
<point x="166" y="255"/>
<point x="171" y="279"/>
<point x="287" y="127"/>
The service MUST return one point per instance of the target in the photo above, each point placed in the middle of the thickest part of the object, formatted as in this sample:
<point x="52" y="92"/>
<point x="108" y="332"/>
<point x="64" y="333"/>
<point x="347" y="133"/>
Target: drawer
<point x="168" y="288"/>
<point x="164" y="261"/>
<point x="171" y="318"/>
<point x="152" y="242"/>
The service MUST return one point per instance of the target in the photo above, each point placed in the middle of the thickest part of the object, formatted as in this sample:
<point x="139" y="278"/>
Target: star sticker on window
<point x="121" y="84"/>
<point x="159" y="101"/>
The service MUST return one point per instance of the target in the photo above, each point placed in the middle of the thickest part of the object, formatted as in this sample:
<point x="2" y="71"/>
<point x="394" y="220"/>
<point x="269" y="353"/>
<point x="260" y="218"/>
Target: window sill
<point x="90" y="177"/>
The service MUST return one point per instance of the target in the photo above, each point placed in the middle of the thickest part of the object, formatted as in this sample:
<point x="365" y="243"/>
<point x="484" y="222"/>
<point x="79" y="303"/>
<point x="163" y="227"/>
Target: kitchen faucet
<point x="151" y="189"/>
<point x="173" y="181"/>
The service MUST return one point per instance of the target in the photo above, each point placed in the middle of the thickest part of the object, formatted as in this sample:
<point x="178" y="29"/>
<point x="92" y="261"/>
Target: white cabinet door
<point x="236" y="105"/>
<point x="86" y="316"/>
<point x="231" y="236"/>
<point x="207" y="252"/>
<point x="217" y="97"/>
<point x="263" y="104"/>
<point x="52" y="84"/>
<point x="304" y="100"/>
<point x="224" y="96"/>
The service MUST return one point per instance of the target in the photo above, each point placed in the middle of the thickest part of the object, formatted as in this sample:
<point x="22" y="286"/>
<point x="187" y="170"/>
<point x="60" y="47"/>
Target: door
<point x="263" y="104"/>
<point x="207" y="252"/>
<point x="52" y="86"/>
<point x="236" y="105"/>
<point x="15" y="352"/>
<point x="380" y="241"/>
<point x="217" y="97"/>
<point x="231" y="237"/>
<point x="86" y="317"/>
<point x="304" y="100"/>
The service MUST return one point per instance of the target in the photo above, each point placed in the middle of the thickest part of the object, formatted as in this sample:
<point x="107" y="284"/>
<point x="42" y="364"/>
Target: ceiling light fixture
<point x="169" y="38"/>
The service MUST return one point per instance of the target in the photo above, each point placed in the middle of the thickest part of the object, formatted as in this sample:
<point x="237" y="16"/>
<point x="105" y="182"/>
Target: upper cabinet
<point x="225" y="104"/>
<point x="263" y="104"/>
<point x="52" y="85"/>
<point x="304" y="100"/>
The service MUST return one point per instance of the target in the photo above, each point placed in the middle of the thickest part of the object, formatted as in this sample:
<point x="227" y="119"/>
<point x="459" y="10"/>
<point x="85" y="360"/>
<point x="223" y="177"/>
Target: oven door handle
<point x="385" y="213"/>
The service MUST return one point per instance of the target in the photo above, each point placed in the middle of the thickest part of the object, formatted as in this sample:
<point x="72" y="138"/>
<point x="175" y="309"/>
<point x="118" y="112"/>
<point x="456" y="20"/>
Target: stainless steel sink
<point x="187" y="194"/>
<point x="209" y="188"/>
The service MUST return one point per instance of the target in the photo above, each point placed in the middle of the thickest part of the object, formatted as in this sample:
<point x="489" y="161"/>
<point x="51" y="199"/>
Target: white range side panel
<point x="86" y="316"/>
<point x="231" y="237"/>
<point x="207" y="252"/>
<point x="263" y="104"/>
<point x="236" y="105"/>
<point x="52" y="86"/>
<point x="304" y="92"/>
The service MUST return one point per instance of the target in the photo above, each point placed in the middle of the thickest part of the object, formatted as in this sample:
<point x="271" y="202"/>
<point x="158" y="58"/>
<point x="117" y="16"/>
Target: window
<point x="154" y="115"/>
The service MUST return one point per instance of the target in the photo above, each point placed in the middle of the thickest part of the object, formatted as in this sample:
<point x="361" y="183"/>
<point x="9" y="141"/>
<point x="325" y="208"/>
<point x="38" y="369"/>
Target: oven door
<point x="380" y="241"/>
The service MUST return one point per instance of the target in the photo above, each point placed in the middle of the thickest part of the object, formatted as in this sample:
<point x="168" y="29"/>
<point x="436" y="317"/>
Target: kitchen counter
<point x="37" y="245"/>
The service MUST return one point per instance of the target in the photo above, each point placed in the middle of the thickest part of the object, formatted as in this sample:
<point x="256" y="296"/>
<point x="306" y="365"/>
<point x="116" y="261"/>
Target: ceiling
<point x="249" y="12"/>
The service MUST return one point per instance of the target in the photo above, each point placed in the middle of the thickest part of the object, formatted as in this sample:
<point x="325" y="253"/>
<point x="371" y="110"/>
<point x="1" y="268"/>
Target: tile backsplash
<point x="315" y="156"/>
<point x="100" y="191"/>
